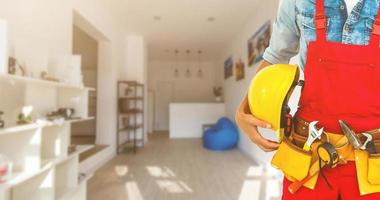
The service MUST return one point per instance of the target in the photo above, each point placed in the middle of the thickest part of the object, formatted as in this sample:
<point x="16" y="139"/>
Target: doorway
<point x="164" y="96"/>
<point x="87" y="47"/>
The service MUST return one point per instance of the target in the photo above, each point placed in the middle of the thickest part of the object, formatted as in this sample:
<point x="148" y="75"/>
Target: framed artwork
<point x="228" y="67"/>
<point x="258" y="43"/>
<point x="239" y="70"/>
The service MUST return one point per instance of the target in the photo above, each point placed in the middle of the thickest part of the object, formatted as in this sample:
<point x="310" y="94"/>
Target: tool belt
<point x="303" y="167"/>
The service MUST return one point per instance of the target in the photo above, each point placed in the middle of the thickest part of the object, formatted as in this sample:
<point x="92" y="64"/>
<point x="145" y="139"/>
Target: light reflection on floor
<point x="183" y="170"/>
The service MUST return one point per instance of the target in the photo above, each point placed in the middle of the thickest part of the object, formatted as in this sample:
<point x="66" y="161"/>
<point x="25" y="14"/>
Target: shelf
<point x="132" y="111"/>
<point x="126" y="143"/>
<point x="132" y="83"/>
<point x="37" y="125"/>
<point x="46" y="164"/>
<point x="131" y="98"/>
<point x="55" y="161"/>
<point x="24" y="79"/>
<point x="131" y="128"/>
<point x="73" y="193"/>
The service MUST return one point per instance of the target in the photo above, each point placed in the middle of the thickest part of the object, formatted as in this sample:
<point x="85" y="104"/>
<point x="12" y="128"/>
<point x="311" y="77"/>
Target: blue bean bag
<point x="223" y="136"/>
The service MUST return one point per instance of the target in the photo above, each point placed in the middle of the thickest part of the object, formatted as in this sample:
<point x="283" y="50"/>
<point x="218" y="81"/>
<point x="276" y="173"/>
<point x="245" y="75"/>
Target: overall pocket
<point x="374" y="169"/>
<point x="292" y="160"/>
<point x="374" y="165"/>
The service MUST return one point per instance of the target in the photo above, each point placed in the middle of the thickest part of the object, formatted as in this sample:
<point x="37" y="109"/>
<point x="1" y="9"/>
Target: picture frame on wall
<point x="240" y="70"/>
<point x="228" y="67"/>
<point x="258" y="43"/>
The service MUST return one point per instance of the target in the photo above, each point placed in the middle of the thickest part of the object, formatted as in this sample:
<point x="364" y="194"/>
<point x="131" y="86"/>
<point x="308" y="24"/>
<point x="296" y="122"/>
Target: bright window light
<point x="250" y="190"/>
<point x="133" y="191"/>
<point x="170" y="186"/>
<point x="255" y="171"/>
<point x="121" y="170"/>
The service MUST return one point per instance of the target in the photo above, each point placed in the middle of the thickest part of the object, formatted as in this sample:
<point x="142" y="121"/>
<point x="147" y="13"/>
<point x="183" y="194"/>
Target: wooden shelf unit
<point x="130" y="115"/>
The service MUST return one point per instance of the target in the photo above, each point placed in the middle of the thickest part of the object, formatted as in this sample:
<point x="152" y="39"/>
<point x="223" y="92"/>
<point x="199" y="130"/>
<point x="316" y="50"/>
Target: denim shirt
<point x="294" y="27"/>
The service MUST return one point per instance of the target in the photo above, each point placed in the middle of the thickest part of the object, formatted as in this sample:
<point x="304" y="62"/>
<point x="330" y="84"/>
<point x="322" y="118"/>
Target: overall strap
<point x="375" y="34"/>
<point x="320" y="20"/>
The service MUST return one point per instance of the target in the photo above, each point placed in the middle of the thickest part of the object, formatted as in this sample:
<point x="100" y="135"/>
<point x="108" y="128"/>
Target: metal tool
<point x="369" y="145"/>
<point x="314" y="134"/>
<point x="355" y="141"/>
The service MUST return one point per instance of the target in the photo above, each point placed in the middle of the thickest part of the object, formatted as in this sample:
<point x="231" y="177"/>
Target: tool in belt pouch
<point x="374" y="160"/>
<point x="302" y="155"/>
<point x="294" y="156"/>
<point x="365" y="142"/>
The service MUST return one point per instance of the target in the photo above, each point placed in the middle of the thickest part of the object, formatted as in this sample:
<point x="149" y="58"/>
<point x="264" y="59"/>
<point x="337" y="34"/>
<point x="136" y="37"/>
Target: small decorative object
<point x="66" y="113"/>
<point x="2" y="123"/>
<point x="25" y="116"/>
<point x="5" y="169"/>
<point x="125" y="121"/>
<point x="239" y="70"/>
<point x="128" y="91"/>
<point x="228" y="67"/>
<point x="258" y="43"/>
<point x="12" y="65"/>
<point x="45" y="76"/>
<point x="71" y="149"/>
<point x="218" y="93"/>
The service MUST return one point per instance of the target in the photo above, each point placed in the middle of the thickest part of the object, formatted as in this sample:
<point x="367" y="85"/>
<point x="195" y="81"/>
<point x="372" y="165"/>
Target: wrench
<point x="314" y="134"/>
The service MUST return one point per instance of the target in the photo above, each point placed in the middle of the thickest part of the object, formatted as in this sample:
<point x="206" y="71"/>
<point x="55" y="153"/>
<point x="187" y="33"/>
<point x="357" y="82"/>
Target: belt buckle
<point x="320" y="22"/>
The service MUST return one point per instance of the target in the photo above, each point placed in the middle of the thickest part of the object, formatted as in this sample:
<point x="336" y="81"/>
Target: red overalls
<point x="341" y="82"/>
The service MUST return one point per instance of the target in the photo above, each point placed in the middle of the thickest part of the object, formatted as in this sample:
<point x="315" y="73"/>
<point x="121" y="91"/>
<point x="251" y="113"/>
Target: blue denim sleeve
<point x="284" y="42"/>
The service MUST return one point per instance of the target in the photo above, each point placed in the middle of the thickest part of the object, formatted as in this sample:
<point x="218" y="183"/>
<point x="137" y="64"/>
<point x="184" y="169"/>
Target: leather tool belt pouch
<point x="374" y="166"/>
<point x="292" y="160"/>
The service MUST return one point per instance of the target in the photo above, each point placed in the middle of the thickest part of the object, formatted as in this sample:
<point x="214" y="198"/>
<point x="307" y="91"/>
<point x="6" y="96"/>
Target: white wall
<point x="235" y="91"/>
<point x="40" y="28"/>
<point x="190" y="125"/>
<point x="192" y="89"/>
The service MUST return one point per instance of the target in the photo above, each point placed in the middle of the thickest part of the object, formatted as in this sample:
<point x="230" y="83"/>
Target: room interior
<point x="131" y="99"/>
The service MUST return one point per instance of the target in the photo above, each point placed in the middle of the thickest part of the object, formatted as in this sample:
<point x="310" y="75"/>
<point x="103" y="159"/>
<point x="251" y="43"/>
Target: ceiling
<point x="184" y="24"/>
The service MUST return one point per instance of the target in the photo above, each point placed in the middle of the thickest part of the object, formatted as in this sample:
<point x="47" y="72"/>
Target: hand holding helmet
<point x="249" y="124"/>
<point x="266" y="103"/>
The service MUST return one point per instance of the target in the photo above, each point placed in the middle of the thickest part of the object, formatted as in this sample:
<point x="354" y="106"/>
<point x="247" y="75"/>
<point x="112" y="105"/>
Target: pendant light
<point x="188" y="73"/>
<point x="176" y="71"/>
<point x="200" y="72"/>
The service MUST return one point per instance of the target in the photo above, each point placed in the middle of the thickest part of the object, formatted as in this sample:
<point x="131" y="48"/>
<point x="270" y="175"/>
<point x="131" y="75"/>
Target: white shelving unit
<point x="42" y="167"/>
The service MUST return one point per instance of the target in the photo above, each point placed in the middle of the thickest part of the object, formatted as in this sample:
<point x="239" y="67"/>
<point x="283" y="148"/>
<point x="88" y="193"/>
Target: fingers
<point x="254" y="121"/>
<point x="263" y="143"/>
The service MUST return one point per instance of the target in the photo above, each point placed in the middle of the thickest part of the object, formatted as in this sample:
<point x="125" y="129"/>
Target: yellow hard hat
<point x="269" y="93"/>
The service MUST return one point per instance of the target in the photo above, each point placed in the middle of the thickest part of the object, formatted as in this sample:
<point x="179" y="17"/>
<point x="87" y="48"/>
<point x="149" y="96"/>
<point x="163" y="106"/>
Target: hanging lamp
<point x="200" y="72"/>
<point x="188" y="72"/>
<point x="176" y="71"/>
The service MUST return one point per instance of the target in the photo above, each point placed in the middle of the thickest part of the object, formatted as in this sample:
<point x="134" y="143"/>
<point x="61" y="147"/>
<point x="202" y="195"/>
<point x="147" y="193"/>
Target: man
<point x="338" y="42"/>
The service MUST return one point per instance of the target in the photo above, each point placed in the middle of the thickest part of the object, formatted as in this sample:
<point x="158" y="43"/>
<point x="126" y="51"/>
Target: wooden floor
<point x="182" y="169"/>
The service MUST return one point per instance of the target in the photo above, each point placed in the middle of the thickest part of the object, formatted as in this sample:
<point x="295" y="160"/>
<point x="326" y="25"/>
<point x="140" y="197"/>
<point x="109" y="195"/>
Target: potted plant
<point x="218" y="94"/>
